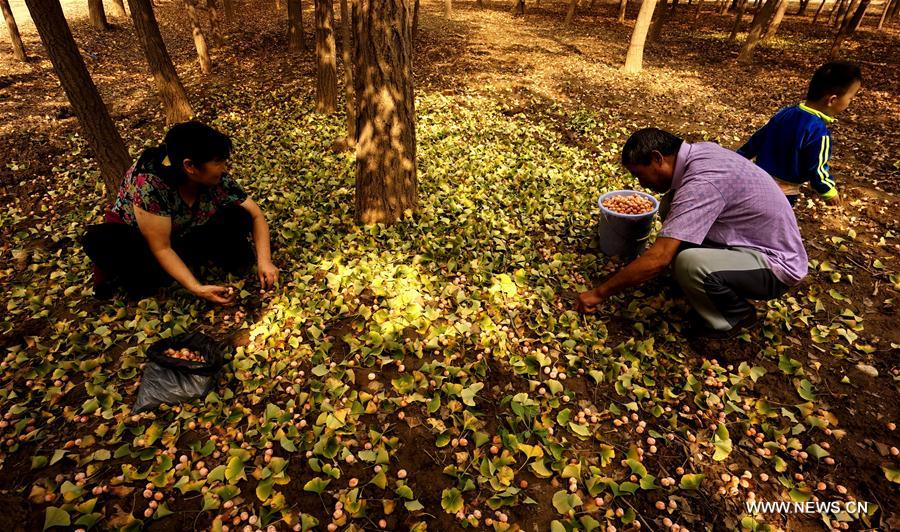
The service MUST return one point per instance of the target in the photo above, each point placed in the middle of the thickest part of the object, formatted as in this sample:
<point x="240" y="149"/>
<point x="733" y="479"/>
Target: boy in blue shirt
<point x="795" y="145"/>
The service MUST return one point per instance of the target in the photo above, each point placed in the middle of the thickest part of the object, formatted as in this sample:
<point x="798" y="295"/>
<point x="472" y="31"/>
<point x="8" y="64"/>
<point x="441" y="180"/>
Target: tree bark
<point x="199" y="38"/>
<point x="386" y="188"/>
<point x="570" y="14"/>
<point x="215" y="22"/>
<point x="93" y="116"/>
<point x="518" y="7"/>
<point x="347" y="59"/>
<point x="760" y="20"/>
<point x="296" y="39"/>
<point x="168" y="85"/>
<point x="895" y="9"/>
<point x="742" y="5"/>
<point x="120" y="8"/>
<point x="229" y="9"/>
<point x="634" y="59"/>
<point x="804" y="4"/>
<point x="884" y="14"/>
<point x="97" y="15"/>
<point x="448" y="8"/>
<point x="845" y="16"/>
<point x="326" y="58"/>
<point x="623" y="6"/>
<point x="662" y="14"/>
<point x="847" y="28"/>
<point x="415" y="21"/>
<point x="839" y="15"/>
<point x="819" y="11"/>
<point x="15" y="37"/>
<point x="857" y="21"/>
<point x="775" y="22"/>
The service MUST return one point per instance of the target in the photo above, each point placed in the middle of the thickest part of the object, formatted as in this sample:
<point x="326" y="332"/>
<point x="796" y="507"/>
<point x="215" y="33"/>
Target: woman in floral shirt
<point x="176" y="210"/>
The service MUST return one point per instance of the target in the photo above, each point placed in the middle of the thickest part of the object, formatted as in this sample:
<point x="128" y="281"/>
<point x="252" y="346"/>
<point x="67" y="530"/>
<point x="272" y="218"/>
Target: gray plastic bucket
<point x="625" y="235"/>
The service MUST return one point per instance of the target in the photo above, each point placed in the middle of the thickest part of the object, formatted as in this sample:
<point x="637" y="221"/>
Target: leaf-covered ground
<point x="434" y="373"/>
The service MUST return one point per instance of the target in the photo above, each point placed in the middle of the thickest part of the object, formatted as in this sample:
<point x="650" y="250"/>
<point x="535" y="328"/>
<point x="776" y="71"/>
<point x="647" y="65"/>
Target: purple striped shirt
<point x="721" y="198"/>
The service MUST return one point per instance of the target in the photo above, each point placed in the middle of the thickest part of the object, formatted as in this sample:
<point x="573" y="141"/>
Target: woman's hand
<point x="268" y="274"/>
<point x="214" y="293"/>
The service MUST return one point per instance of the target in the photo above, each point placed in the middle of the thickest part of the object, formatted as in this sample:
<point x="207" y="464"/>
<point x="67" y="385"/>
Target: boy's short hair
<point x="835" y="78"/>
<point x="642" y="143"/>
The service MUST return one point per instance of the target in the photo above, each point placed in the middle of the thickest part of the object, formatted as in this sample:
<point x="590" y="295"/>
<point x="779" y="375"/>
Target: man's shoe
<point x="103" y="286"/>
<point x="698" y="329"/>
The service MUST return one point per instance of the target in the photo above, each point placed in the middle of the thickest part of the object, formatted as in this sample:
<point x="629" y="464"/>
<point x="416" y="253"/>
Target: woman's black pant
<point x="121" y="252"/>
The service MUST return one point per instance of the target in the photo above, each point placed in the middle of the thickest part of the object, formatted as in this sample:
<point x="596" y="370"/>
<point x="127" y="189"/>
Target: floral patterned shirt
<point x="144" y="187"/>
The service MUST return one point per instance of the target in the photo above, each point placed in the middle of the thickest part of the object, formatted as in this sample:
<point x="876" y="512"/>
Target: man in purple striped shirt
<point x="730" y="231"/>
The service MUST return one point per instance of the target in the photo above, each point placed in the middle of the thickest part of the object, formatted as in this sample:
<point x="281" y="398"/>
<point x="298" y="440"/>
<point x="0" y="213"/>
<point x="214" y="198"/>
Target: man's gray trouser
<point x="719" y="282"/>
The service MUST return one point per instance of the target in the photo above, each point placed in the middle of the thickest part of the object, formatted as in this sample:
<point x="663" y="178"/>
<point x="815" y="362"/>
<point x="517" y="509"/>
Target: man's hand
<point x="835" y="201"/>
<point x="215" y="294"/>
<point x="268" y="274"/>
<point x="588" y="301"/>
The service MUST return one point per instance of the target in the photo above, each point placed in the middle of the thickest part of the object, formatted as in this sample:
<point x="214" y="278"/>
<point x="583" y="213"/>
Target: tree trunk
<point x="623" y="6"/>
<point x="742" y="4"/>
<point x="804" y="4"/>
<point x="818" y="11"/>
<point x="775" y="22"/>
<point x="857" y="21"/>
<point x="347" y="59"/>
<point x="229" y="9"/>
<point x="99" y="130"/>
<point x="386" y="188"/>
<point x="168" y="85"/>
<point x="839" y="16"/>
<point x="518" y="7"/>
<point x="662" y="14"/>
<point x="884" y="14"/>
<point x="97" y="15"/>
<point x="894" y="10"/>
<point x="848" y="25"/>
<point x="725" y="5"/>
<point x="571" y="12"/>
<point x="15" y="37"/>
<point x="415" y="21"/>
<point x="215" y="22"/>
<point x="699" y="9"/>
<point x="448" y="8"/>
<point x="120" y="8"/>
<point x="199" y="38"/>
<point x="845" y="16"/>
<point x="834" y="9"/>
<point x="760" y="20"/>
<point x="634" y="59"/>
<point x="326" y="58"/>
<point x="296" y="39"/>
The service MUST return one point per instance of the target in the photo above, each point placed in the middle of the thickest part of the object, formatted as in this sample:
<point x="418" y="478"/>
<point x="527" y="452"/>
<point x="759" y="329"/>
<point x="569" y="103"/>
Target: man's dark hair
<point x="835" y="78"/>
<point x="195" y="141"/>
<point x="642" y="143"/>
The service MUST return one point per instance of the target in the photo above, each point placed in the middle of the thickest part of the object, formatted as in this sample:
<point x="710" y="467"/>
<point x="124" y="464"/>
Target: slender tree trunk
<point x="386" y="188"/>
<point x="662" y="14"/>
<point x="859" y="8"/>
<point x="199" y="38"/>
<point x="168" y="85"/>
<point x="93" y="116"/>
<point x="895" y="9"/>
<point x="296" y="39"/>
<point x="818" y="11"/>
<point x="845" y="16"/>
<point x="857" y="21"/>
<point x="97" y="15"/>
<point x="725" y="5"/>
<point x="834" y="9"/>
<point x="634" y="59"/>
<point x="229" y="9"/>
<point x="215" y="22"/>
<point x="15" y="37"/>
<point x="448" y="9"/>
<point x="347" y="59"/>
<point x="884" y="14"/>
<point x="760" y="20"/>
<point x="518" y="7"/>
<point x="415" y="21"/>
<point x="699" y="9"/>
<point x="839" y="15"/>
<point x="120" y="8"/>
<point x="742" y="4"/>
<point x="775" y="22"/>
<point x="804" y="4"/>
<point x="326" y="58"/>
<point x="570" y="14"/>
<point x="623" y="6"/>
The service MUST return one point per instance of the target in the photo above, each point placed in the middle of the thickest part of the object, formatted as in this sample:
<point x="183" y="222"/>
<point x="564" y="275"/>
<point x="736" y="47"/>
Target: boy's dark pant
<point x="123" y="255"/>
<point x="719" y="282"/>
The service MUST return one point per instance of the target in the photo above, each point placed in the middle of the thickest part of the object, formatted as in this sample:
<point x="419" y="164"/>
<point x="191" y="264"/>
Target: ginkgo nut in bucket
<point x="625" y="222"/>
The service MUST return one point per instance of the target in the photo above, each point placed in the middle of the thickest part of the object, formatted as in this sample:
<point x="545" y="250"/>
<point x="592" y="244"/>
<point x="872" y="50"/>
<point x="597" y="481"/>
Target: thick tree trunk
<point x="760" y="21"/>
<point x="229" y="9"/>
<point x="215" y="22"/>
<point x="14" y="36"/>
<point x="448" y="8"/>
<point x="296" y="39"/>
<point x="858" y="7"/>
<point x="775" y="22"/>
<point x="168" y="85"/>
<point x="518" y="7"/>
<point x="97" y="15"/>
<point x="120" y="8"/>
<point x="326" y="58"/>
<point x="884" y="14"/>
<point x="819" y="11"/>
<point x="199" y="38"/>
<point x="347" y="59"/>
<point x="634" y="59"/>
<point x="623" y="6"/>
<point x="386" y="188"/>
<point x="570" y="14"/>
<point x="93" y="116"/>
<point x="742" y="4"/>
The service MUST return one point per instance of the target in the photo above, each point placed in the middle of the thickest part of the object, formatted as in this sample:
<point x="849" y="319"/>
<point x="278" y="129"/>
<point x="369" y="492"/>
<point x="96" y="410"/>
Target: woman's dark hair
<point x="642" y="143"/>
<point x="835" y="78"/>
<point x="195" y="141"/>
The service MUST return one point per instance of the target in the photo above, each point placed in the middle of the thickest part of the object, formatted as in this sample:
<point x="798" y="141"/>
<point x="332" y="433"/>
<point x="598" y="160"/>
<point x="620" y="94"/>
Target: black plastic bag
<point x="170" y="380"/>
